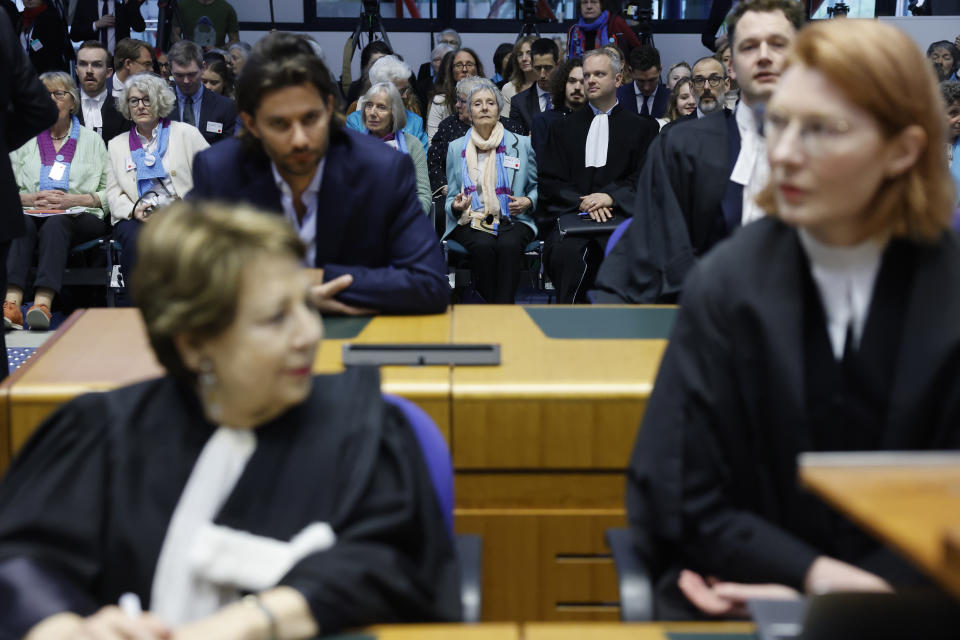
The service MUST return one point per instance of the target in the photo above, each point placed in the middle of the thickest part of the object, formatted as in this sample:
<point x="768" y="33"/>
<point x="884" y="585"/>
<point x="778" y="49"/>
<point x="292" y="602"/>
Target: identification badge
<point x="56" y="171"/>
<point x="36" y="45"/>
<point x="214" y="127"/>
<point x="131" y="165"/>
<point x="510" y="162"/>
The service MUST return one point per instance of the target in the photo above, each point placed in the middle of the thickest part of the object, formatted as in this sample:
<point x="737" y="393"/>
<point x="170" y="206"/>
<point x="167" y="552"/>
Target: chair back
<point x="616" y="235"/>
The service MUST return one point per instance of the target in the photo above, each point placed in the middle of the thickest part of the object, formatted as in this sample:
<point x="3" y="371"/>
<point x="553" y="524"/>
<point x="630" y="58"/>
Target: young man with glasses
<point x="698" y="185"/>
<point x="98" y="111"/>
<point x="646" y="95"/>
<point x="214" y="115"/>
<point x="130" y="58"/>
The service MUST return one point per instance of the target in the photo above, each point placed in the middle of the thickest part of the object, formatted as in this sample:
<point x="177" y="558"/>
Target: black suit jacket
<point x="525" y="106"/>
<point x="56" y="53"/>
<point x="216" y="109"/>
<point x="712" y="481"/>
<point x="28" y="111"/>
<point x="114" y="124"/>
<point x="627" y="95"/>
<point x="684" y="202"/>
<point x="563" y="177"/>
<point x="369" y="222"/>
<point x="128" y="15"/>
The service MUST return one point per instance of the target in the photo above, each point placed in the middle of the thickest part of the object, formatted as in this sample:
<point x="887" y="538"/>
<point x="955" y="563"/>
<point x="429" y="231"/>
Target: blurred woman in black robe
<point x="832" y="325"/>
<point x="237" y="497"/>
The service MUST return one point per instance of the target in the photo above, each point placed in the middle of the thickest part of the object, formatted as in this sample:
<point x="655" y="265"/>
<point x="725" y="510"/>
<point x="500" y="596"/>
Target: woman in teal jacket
<point x="492" y="179"/>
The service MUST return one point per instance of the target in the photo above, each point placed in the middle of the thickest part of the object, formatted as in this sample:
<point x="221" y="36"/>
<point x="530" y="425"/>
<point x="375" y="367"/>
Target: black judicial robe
<point x="712" y="483"/>
<point x="563" y="178"/>
<point x="684" y="200"/>
<point x="85" y="507"/>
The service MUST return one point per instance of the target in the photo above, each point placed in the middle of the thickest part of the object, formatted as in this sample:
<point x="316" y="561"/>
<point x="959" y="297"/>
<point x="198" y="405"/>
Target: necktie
<point x="188" y="111"/>
<point x="103" y="32"/>
<point x="548" y="101"/>
<point x="643" y="109"/>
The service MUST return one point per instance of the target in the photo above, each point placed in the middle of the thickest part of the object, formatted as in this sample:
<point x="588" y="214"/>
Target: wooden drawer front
<point x="545" y="565"/>
<point x="544" y="434"/>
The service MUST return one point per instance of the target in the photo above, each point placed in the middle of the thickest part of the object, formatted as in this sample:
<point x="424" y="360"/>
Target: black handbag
<point x="574" y="224"/>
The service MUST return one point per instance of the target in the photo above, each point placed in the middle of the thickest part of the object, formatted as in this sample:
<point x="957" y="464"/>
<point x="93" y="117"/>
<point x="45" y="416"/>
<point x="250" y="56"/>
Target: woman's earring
<point x="209" y="394"/>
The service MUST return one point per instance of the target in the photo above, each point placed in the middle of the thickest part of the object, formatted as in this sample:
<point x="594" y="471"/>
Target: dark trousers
<point x="572" y="263"/>
<point x="126" y="233"/>
<point x="54" y="237"/>
<point x="495" y="260"/>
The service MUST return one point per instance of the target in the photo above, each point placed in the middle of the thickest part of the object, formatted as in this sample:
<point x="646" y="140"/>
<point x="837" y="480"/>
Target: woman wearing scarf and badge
<point x="385" y="116"/>
<point x="492" y="178"/>
<point x="151" y="166"/>
<point x="598" y="27"/>
<point x="63" y="168"/>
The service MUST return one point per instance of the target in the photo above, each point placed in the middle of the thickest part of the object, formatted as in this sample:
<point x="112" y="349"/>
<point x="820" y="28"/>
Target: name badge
<point x="36" y="45"/>
<point x="214" y="127"/>
<point x="56" y="171"/>
<point x="510" y="162"/>
<point x="131" y="165"/>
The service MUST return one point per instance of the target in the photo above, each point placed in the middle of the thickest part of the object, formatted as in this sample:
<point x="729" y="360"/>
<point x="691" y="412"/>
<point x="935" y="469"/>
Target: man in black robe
<point x="698" y="184"/>
<point x="590" y="166"/>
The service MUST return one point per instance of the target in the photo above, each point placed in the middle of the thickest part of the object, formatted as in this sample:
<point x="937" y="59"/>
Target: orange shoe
<point x="38" y="317"/>
<point x="12" y="317"/>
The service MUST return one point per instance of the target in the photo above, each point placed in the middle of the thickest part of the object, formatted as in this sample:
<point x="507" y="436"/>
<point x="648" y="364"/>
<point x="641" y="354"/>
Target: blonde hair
<point x="59" y="80"/>
<point x="879" y="68"/>
<point x="191" y="261"/>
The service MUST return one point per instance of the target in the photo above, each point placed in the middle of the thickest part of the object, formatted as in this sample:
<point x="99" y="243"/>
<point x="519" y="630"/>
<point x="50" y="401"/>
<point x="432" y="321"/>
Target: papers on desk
<point x="879" y="459"/>
<point x="46" y="213"/>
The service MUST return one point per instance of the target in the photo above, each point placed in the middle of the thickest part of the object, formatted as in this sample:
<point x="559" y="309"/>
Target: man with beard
<point x="709" y="90"/>
<point x="945" y="58"/>
<point x="98" y="109"/>
<point x="567" y="96"/>
<point x="369" y="245"/>
<point x="698" y="184"/>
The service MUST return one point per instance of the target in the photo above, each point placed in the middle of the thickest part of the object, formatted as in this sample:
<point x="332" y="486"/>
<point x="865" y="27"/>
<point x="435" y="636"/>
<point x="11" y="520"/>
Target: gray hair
<point x="616" y="64"/>
<point x="389" y="69"/>
<point x="185" y="52"/>
<point x="393" y="99"/>
<point x="485" y="84"/>
<point x="450" y="32"/>
<point x="243" y="46"/>
<point x="62" y="80"/>
<point x="441" y="50"/>
<point x="465" y="85"/>
<point x="156" y="90"/>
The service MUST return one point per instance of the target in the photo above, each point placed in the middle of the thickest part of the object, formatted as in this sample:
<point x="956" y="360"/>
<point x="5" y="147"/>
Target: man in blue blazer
<point x="214" y="115"/>
<point x="646" y="95"/>
<point x="351" y="198"/>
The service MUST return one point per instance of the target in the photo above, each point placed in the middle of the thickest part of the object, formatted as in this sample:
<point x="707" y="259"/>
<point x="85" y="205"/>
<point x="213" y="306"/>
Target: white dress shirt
<point x="752" y="169"/>
<point x="543" y="97"/>
<point x="117" y="86"/>
<point x="641" y="98"/>
<point x="307" y="228"/>
<point x="91" y="105"/>
<point x="845" y="277"/>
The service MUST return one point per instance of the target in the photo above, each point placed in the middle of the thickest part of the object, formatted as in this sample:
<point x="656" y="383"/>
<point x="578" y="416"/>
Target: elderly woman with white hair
<point x="384" y="116"/>
<point x="151" y="166"/>
<point x="392" y="69"/>
<point x="491" y="195"/>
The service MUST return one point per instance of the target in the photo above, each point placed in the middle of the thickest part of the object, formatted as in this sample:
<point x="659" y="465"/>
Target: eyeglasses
<point x="133" y="102"/>
<point x="714" y="81"/>
<point x="59" y="95"/>
<point x="818" y="135"/>
<point x="463" y="66"/>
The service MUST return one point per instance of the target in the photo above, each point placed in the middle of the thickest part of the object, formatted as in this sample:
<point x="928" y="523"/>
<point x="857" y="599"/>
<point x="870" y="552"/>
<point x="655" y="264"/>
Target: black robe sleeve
<point x="393" y="560"/>
<point x="556" y="181"/>
<point x="52" y="504"/>
<point x="680" y="489"/>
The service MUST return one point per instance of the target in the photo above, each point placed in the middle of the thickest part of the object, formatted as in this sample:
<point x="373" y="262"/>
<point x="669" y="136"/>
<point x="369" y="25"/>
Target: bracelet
<point x="254" y="600"/>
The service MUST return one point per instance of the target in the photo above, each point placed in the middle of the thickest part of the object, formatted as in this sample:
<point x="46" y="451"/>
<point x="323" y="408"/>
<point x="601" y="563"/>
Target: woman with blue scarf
<point x="151" y="165"/>
<point x="63" y="168"/>
<point x="492" y="179"/>
<point x="384" y="116"/>
<point x="597" y="28"/>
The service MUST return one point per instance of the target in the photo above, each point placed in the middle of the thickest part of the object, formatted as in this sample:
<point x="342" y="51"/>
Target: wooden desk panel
<point x="442" y="632"/>
<point x="656" y="631"/>
<point x="911" y="507"/>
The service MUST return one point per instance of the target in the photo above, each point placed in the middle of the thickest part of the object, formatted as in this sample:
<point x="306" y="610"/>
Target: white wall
<point x="927" y="29"/>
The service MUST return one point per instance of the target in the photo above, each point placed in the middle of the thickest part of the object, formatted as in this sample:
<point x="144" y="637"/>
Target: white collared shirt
<point x="117" y="86"/>
<point x="111" y="31"/>
<point x="641" y="98"/>
<point x="845" y="277"/>
<point x="752" y="169"/>
<point x="91" y="105"/>
<point x="307" y="228"/>
<point x="543" y="97"/>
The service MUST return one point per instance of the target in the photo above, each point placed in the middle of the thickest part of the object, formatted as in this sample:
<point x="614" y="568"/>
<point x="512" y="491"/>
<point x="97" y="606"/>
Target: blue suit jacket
<point x="523" y="181"/>
<point x="214" y="108"/>
<point x="414" y="126"/>
<point x="369" y="223"/>
<point x="627" y="95"/>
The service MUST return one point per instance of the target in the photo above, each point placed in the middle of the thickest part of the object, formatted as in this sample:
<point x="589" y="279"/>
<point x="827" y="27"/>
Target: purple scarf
<point x="49" y="155"/>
